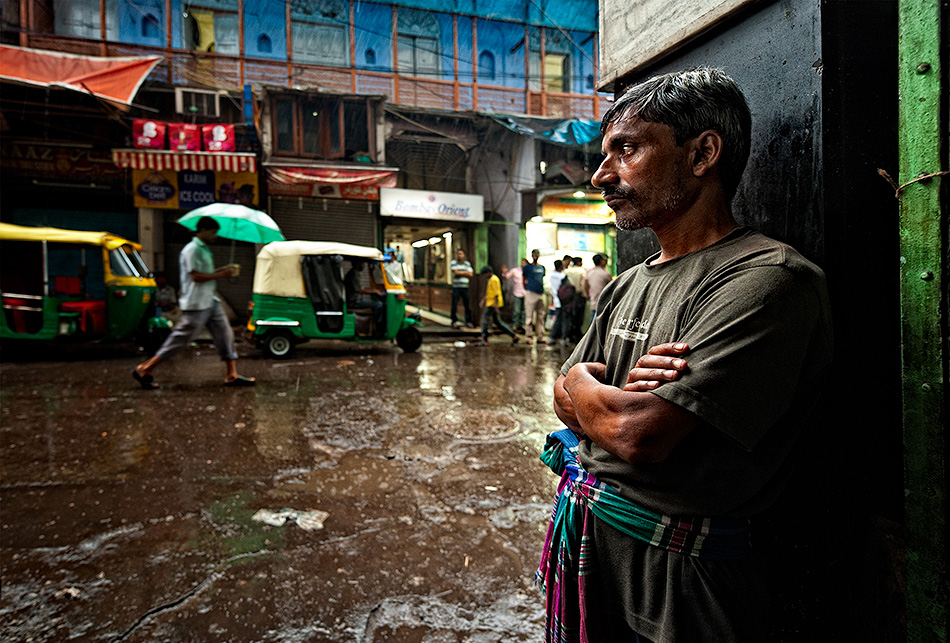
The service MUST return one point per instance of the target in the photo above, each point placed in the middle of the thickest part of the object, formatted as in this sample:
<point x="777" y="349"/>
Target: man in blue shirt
<point x="534" y="299"/>
<point x="200" y="309"/>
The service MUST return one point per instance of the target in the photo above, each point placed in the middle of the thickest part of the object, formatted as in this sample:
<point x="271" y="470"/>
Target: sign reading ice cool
<point x="420" y="204"/>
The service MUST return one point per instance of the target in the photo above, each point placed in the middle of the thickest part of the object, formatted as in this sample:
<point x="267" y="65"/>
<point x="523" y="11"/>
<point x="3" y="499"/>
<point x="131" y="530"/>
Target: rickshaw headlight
<point x="121" y="293"/>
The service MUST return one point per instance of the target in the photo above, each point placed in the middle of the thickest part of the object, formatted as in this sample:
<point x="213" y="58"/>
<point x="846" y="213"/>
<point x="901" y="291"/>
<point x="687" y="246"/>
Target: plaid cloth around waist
<point x="712" y="538"/>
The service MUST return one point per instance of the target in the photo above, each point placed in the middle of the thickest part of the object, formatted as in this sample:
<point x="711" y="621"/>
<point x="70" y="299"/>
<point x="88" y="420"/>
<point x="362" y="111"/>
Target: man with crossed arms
<point x="687" y="397"/>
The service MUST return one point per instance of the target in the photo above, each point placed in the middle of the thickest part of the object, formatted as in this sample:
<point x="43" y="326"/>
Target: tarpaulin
<point x="115" y="80"/>
<point x="562" y="131"/>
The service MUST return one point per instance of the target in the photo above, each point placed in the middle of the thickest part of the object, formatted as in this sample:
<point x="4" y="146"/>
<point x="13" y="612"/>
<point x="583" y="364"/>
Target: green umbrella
<point x="237" y="222"/>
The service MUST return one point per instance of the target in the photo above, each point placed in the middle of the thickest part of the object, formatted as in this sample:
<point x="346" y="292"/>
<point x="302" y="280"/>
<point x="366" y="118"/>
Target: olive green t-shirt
<point x="756" y="317"/>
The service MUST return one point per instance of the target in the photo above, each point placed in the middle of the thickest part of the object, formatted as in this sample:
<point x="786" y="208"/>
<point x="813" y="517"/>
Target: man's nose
<point x="604" y="175"/>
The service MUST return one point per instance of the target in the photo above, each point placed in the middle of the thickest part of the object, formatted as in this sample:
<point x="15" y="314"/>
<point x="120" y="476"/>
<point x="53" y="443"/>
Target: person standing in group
<point x="200" y="308"/>
<point x="667" y="457"/>
<point x="461" y="274"/>
<point x="595" y="281"/>
<point x="517" y="292"/>
<point x="575" y="275"/>
<point x="556" y="280"/>
<point x="534" y="299"/>
<point x="491" y="303"/>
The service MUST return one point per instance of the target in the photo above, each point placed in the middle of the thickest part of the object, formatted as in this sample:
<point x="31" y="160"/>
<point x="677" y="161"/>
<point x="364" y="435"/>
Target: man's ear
<point x="706" y="152"/>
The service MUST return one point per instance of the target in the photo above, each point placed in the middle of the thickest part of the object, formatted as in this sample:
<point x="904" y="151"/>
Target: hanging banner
<point x="184" y="137"/>
<point x="148" y="134"/>
<point x="362" y="185"/>
<point x="218" y="138"/>
<point x="190" y="189"/>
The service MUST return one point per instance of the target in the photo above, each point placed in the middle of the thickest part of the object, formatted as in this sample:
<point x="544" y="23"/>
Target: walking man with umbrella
<point x="200" y="309"/>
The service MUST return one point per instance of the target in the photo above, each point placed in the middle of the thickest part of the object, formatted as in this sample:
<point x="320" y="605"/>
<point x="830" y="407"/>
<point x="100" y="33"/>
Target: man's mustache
<point x="616" y="191"/>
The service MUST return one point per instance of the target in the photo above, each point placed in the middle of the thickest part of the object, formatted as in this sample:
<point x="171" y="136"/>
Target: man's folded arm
<point x="638" y="427"/>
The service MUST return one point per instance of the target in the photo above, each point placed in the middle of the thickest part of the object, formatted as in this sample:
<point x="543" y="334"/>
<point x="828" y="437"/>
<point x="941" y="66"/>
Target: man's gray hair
<point x="691" y="102"/>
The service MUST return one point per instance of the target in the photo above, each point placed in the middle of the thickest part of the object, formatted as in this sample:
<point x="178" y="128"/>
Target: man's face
<point x="208" y="236"/>
<point x="645" y="176"/>
<point x="534" y="256"/>
<point x="460" y="255"/>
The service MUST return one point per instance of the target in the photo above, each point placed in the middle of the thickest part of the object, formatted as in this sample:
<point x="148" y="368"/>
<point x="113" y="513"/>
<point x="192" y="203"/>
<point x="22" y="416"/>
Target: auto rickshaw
<point x="299" y="295"/>
<point x="58" y="283"/>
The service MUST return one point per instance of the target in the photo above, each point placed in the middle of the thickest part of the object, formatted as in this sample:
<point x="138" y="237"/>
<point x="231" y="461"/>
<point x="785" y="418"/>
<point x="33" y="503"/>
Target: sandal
<point x="147" y="382"/>
<point x="240" y="380"/>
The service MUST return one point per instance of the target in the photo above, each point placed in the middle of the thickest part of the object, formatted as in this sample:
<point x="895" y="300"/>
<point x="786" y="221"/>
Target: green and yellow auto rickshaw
<point x="299" y="295"/>
<point x="58" y="283"/>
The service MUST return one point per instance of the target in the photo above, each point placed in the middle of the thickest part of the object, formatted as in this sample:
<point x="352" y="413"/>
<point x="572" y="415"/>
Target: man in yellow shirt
<point x="490" y="303"/>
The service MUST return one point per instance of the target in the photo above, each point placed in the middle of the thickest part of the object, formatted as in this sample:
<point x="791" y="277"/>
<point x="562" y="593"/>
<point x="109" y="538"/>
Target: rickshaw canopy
<point x="11" y="232"/>
<point x="278" y="270"/>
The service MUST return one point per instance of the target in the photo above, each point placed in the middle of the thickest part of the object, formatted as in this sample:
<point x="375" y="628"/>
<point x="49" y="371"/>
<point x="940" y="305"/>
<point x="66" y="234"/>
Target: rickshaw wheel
<point x="279" y="344"/>
<point x="409" y="339"/>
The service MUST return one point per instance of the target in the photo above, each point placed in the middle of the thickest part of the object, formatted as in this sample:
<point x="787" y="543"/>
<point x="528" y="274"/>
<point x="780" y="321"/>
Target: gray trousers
<point x="191" y="324"/>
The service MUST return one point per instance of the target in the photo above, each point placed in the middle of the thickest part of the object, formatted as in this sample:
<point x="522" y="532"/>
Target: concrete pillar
<point x="152" y="238"/>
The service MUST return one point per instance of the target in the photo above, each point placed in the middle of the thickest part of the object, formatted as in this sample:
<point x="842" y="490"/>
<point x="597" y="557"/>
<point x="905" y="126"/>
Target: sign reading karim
<point x="420" y="204"/>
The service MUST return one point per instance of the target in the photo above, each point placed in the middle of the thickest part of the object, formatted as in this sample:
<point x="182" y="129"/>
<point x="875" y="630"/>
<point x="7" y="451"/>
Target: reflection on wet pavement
<point x="129" y="515"/>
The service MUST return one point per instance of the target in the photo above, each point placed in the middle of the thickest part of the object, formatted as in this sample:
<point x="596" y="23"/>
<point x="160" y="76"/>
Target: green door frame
<point x="924" y="328"/>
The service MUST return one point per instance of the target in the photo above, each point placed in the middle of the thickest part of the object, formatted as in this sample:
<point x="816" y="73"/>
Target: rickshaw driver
<point x="351" y="282"/>
<point x="200" y="308"/>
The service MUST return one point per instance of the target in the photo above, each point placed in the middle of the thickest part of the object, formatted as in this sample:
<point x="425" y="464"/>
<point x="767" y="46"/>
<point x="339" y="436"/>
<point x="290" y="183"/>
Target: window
<point x="210" y="25"/>
<point x="556" y="72"/>
<point x="486" y="66"/>
<point x="310" y="127"/>
<point x="324" y="127"/>
<point x="150" y="28"/>
<point x="264" y="44"/>
<point x="319" y="32"/>
<point x="370" y="57"/>
<point x="418" y="43"/>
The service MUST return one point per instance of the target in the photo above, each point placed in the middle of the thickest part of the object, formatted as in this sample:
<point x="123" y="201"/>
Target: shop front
<point x="574" y="224"/>
<point x="427" y="229"/>
<point x="325" y="201"/>
<point x="166" y="184"/>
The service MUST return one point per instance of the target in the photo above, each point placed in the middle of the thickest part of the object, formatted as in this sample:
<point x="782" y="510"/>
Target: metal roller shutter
<point x="326" y="219"/>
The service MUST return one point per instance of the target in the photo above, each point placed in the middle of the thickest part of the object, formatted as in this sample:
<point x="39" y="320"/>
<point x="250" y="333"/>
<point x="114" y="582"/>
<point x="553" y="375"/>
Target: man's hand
<point x="660" y="364"/>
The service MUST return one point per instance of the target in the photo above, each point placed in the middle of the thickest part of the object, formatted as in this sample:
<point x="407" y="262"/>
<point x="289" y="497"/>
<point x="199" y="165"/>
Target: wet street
<point x="412" y="501"/>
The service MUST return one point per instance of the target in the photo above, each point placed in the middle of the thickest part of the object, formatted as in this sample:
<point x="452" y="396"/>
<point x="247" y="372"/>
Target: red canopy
<point x="113" y="79"/>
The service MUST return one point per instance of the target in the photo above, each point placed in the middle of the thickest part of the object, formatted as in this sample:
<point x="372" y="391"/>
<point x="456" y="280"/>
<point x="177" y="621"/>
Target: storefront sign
<point x="419" y="204"/>
<point x="57" y="160"/>
<point x="598" y="211"/>
<point x="328" y="183"/>
<point x="189" y="189"/>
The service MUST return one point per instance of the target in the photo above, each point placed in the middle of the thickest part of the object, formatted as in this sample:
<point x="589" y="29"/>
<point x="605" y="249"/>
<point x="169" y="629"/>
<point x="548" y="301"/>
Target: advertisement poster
<point x="190" y="189"/>
<point x="155" y="188"/>
<point x="148" y="134"/>
<point x="218" y="138"/>
<point x="184" y="137"/>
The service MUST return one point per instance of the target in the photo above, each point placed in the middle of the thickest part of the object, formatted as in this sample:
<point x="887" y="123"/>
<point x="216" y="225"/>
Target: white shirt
<point x="196" y="256"/>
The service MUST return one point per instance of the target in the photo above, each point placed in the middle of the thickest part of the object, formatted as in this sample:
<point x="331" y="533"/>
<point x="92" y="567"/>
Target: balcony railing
<point x="221" y="71"/>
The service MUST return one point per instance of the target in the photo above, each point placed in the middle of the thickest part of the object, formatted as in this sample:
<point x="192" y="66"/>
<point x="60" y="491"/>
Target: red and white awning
<point x="198" y="161"/>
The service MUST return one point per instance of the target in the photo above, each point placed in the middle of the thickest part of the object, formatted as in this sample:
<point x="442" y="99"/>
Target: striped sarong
<point x="568" y="545"/>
